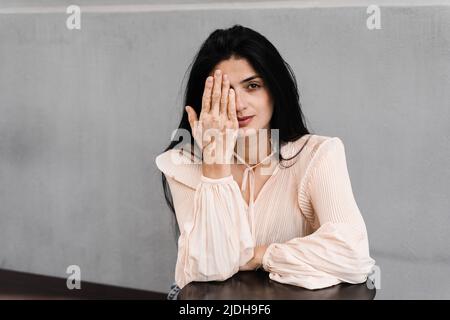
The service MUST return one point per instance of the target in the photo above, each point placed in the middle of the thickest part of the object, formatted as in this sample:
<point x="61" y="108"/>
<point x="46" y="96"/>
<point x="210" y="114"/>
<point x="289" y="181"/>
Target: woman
<point x="297" y="219"/>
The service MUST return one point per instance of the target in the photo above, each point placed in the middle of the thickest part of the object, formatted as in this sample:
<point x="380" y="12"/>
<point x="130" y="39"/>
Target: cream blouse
<point x="306" y="213"/>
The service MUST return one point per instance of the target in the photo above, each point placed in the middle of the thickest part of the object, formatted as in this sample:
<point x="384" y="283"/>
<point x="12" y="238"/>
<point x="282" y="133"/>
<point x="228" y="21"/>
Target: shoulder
<point x="312" y="149"/>
<point x="323" y="146"/>
<point x="310" y="146"/>
<point x="327" y="154"/>
<point x="180" y="165"/>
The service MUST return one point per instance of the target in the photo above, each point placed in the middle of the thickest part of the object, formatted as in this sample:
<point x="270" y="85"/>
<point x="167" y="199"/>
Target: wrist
<point x="261" y="250"/>
<point x="216" y="171"/>
<point x="261" y="253"/>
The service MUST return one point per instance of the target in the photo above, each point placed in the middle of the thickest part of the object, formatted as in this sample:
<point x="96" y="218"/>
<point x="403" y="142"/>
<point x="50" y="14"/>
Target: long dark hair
<point x="242" y="42"/>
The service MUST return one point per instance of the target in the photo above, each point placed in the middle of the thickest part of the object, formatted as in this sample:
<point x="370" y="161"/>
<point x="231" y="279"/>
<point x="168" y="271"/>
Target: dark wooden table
<point x="247" y="285"/>
<point x="26" y="286"/>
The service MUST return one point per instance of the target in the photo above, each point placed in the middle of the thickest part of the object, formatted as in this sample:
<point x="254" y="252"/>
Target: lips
<point x="244" y="121"/>
<point x="244" y="118"/>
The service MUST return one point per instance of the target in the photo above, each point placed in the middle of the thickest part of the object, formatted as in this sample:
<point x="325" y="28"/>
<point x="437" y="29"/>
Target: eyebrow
<point x="250" y="78"/>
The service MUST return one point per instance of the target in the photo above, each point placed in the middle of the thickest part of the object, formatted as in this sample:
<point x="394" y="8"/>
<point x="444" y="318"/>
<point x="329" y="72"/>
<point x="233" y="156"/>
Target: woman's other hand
<point x="256" y="261"/>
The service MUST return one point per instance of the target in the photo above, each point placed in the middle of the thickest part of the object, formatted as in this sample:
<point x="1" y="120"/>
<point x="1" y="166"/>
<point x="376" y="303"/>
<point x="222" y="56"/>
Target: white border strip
<point x="257" y="5"/>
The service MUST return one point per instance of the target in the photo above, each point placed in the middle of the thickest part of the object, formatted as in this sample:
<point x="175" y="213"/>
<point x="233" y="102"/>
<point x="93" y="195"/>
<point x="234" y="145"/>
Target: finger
<point x="196" y="128"/>
<point x="192" y="116"/>
<point x="206" y="99"/>
<point x="224" y="95"/>
<point x="232" y="107"/>
<point x="216" y="93"/>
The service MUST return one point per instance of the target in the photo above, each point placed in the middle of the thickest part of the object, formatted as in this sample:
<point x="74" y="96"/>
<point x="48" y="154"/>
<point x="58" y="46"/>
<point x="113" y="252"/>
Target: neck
<point x="248" y="148"/>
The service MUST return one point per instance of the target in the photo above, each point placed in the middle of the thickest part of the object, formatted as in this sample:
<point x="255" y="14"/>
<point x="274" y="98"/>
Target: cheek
<point x="264" y="111"/>
<point x="265" y="107"/>
<point x="260" y="100"/>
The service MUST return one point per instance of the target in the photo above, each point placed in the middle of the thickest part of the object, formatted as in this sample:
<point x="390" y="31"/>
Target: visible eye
<point x="255" y="85"/>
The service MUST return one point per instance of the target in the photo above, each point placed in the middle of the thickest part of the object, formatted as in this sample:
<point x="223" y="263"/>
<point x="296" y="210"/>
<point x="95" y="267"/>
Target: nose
<point x="240" y="103"/>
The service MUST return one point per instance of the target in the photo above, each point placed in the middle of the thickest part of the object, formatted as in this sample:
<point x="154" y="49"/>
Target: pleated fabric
<point x="305" y="212"/>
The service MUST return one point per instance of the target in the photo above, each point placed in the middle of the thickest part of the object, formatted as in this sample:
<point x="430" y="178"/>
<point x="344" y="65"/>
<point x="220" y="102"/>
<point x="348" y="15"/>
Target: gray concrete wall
<point x="85" y="112"/>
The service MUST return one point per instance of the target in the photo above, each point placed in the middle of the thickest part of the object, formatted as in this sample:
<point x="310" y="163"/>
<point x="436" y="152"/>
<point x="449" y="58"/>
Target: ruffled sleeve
<point x="338" y="250"/>
<point x="215" y="237"/>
